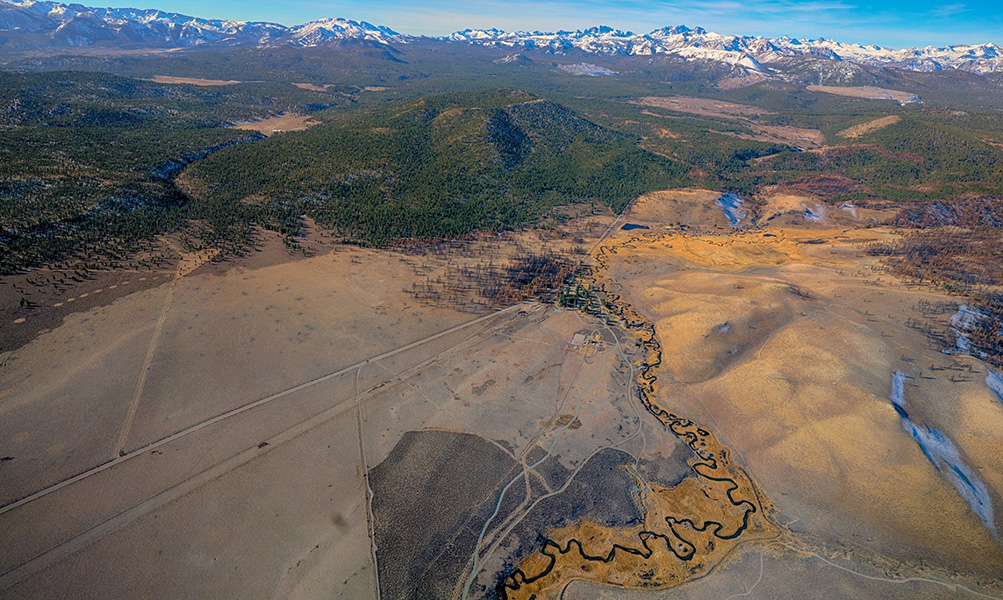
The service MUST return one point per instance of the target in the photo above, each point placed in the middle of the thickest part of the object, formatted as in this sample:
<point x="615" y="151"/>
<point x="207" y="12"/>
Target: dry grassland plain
<point x="722" y="426"/>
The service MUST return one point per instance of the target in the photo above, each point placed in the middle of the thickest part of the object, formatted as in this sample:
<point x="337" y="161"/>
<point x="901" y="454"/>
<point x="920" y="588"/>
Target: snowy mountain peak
<point x="321" y="31"/>
<point x="475" y="34"/>
<point x="603" y="31"/>
<point x="677" y="30"/>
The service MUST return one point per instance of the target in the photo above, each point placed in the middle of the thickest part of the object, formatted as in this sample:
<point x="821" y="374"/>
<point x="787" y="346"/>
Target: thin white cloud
<point x="949" y="10"/>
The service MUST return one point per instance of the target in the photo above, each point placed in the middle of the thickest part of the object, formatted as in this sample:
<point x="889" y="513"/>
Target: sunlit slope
<point x="440" y="166"/>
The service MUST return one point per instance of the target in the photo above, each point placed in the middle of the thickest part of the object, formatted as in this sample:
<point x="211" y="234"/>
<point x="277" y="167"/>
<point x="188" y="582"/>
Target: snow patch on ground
<point x="994" y="380"/>
<point x="963" y="321"/>
<point x="944" y="455"/>
<point x="815" y="215"/>
<point x="731" y="205"/>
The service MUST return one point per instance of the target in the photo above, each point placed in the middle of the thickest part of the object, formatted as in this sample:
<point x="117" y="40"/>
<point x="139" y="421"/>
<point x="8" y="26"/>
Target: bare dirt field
<point x="312" y="87"/>
<point x="700" y="211"/>
<point x="704" y="106"/>
<point x="694" y="206"/>
<point x="39" y="300"/>
<point x="868" y="92"/>
<point x="147" y="432"/>
<point x="50" y="305"/>
<point x="182" y="379"/>
<point x="779" y="207"/>
<point x="278" y="124"/>
<point x="193" y="80"/>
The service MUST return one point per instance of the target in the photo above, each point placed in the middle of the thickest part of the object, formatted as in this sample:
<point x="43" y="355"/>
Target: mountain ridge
<point x="34" y="24"/>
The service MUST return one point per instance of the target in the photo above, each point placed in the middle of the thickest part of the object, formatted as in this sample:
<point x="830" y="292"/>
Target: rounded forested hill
<point x="86" y="159"/>
<point x="439" y="166"/>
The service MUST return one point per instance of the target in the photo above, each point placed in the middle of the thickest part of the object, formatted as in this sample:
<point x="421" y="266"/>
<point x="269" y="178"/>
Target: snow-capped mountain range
<point x="750" y="52"/>
<point x="29" y="23"/>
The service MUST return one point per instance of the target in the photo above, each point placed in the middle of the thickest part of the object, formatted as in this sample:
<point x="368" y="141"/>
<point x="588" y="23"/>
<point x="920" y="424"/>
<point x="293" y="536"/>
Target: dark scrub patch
<point x="431" y="496"/>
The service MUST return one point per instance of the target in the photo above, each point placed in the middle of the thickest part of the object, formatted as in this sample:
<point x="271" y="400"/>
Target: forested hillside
<point x="441" y="166"/>
<point x="82" y="157"/>
<point x="420" y="144"/>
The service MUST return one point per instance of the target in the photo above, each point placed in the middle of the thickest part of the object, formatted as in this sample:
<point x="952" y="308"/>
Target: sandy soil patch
<point x="869" y="127"/>
<point x="868" y="92"/>
<point x="278" y="124"/>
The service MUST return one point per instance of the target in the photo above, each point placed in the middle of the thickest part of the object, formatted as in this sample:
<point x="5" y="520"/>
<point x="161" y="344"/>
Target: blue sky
<point x="893" y="23"/>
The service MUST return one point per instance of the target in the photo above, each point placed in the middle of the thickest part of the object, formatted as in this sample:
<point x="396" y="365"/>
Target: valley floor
<point x="305" y="428"/>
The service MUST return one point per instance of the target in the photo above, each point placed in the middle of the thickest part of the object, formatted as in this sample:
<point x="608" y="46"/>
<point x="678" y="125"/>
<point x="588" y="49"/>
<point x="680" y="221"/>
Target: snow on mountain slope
<point x="595" y="40"/>
<point x="35" y="23"/>
<point x="76" y="25"/>
<point x="750" y="52"/>
<point x="319" y="32"/>
<point x="731" y="57"/>
<point x="981" y="58"/>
